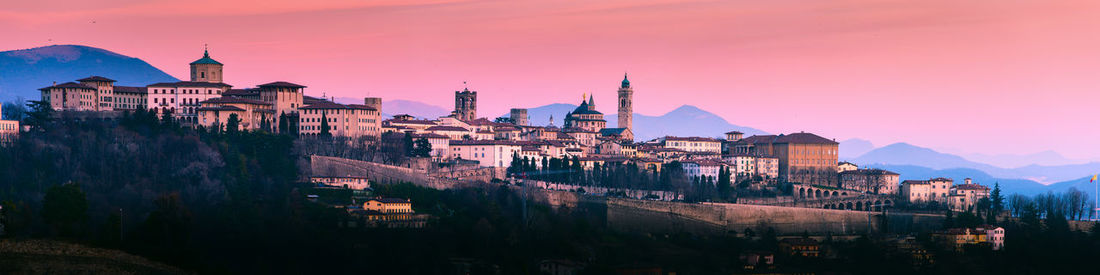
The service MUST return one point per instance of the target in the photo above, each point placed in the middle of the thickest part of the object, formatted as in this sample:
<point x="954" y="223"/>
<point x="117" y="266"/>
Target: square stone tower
<point x="519" y="116"/>
<point x="466" y="105"/>
<point x="374" y="103"/>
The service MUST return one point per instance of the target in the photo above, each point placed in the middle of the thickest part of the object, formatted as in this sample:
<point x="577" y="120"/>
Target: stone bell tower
<point x="626" y="105"/>
<point x="465" y="105"/>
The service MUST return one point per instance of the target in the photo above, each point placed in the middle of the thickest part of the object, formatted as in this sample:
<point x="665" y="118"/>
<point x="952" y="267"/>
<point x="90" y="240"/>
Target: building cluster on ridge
<point x="205" y="100"/>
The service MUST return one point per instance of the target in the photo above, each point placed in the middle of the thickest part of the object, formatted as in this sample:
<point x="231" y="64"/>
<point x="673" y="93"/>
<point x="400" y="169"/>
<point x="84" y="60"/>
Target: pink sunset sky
<point x="994" y="77"/>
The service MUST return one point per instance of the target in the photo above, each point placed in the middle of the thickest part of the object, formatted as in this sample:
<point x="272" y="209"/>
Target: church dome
<point x="626" y="82"/>
<point x="206" y="59"/>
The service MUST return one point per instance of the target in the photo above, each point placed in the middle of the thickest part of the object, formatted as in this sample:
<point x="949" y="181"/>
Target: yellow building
<point x="9" y="129"/>
<point x="388" y="205"/>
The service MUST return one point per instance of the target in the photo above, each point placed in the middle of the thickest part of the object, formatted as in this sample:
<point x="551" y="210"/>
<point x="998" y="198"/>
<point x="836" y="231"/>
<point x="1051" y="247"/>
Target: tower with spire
<point x="626" y="105"/>
<point x="206" y="69"/>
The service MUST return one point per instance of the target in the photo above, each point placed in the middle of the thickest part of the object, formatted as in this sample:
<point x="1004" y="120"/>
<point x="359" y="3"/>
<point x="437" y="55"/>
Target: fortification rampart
<point x="648" y="216"/>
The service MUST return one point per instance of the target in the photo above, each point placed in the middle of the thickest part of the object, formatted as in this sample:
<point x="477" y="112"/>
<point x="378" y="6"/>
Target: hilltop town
<point x="363" y="171"/>
<point x="801" y="167"/>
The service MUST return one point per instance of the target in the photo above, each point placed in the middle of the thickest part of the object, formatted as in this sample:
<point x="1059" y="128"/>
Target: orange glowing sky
<point x="1002" y="76"/>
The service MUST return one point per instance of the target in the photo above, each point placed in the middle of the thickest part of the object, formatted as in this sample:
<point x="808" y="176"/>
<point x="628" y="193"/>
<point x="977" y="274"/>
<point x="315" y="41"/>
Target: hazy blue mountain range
<point x="853" y="148"/>
<point x="23" y="72"/>
<point x="914" y="162"/>
<point x="400" y="106"/>
<point x="1013" y="160"/>
<point x="913" y="172"/>
<point x="686" y="120"/>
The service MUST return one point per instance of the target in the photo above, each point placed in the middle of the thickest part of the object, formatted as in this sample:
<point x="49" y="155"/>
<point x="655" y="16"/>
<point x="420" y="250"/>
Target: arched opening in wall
<point x="844" y="194"/>
<point x="801" y="192"/>
<point x="825" y="206"/>
<point x="878" y="206"/>
<point x="849" y="206"/>
<point x="835" y="193"/>
<point x="859" y="205"/>
<point x="888" y="203"/>
<point x="817" y="193"/>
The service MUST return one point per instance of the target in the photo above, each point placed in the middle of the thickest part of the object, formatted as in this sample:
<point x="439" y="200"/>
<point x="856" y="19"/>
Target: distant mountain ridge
<point x="853" y="148"/>
<point x="23" y="72"/>
<point x="907" y="155"/>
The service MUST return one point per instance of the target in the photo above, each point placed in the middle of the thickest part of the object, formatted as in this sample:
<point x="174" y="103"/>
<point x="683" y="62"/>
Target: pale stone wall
<point x="646" y="216"/>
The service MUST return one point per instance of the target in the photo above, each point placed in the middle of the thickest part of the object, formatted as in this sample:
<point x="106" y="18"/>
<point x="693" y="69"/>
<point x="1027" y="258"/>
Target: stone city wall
<point x="648" y="216"/>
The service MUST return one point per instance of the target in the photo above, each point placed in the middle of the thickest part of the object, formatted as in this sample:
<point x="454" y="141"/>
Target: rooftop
<point x="131" y="90"/>
<point x="95" y="78"/>
<point x="69" y="85"/>
<point x="447" y="128"/>
<point x="280" y="84"/>
<point x="190" y="84"/>
<point x="971" y="186"/>
<point x="206" y="59"/>
<point x="869" y="172"/>
<point x="389" y="200"/>
<point x="675" y="138"/>
<point x="230" y="100"/>
<point x="796" y="138"/>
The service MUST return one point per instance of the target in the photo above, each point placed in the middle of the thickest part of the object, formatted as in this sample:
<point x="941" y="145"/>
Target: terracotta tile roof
<point x="796" y="138"/>
<point x="490" y="142"/>
<point x="69" y="85"/>
<point x="869" y="172"/>
<point x="230" y="99"/>
<point x="971" y="186"/>
<point x="190" y="84"/>
<point x="131" y="90"/>
<point x="281" y="84"/>
<point x="220" y="108"/>
<point x="95" y="78"/>
<point x="406" y="121"/>
<point x="429" y="135"/>
<point x="389" y="200"/>
<point x="447" y="128"/>
<point x="706" y="139"/>
<point x="241" y="92"/>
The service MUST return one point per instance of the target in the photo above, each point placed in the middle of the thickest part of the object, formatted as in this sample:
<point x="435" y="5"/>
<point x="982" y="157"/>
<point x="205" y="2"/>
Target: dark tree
<point x="409" y="145"/>
<point x="284" y="128"/>
<point x="65" y="208"/>
<point x="40" y="115"/>
<point x="504" y="119"/>
<point x="233" y="124"/>
<point x="997" y="198"/>
<point x="326" y="130"/>
<point x="423" y="148"/>
<point x="166" y="119"/>
<point x="16" y="110"/>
